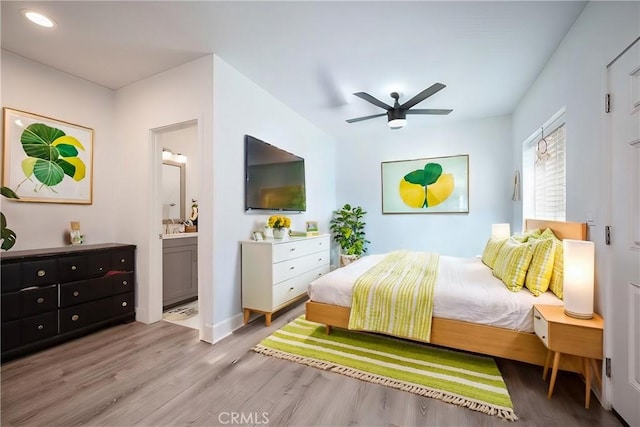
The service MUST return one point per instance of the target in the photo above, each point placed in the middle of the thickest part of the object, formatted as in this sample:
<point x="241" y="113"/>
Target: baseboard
<point x="206" y="333"/>
<point x="226" y="327"/>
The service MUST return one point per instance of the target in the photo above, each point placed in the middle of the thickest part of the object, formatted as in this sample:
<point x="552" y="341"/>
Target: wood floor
<point x="161" y="375"/>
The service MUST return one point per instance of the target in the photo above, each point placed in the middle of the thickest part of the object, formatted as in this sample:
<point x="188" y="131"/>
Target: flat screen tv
<point x="274" y="178"/>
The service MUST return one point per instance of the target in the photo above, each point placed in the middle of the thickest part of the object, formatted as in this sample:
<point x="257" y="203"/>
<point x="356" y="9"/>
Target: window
<point x="544" y="166"/>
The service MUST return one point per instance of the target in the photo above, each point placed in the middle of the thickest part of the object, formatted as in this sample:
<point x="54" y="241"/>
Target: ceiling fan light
<point x="397" y="123"/>
<point x="38" y="18"/>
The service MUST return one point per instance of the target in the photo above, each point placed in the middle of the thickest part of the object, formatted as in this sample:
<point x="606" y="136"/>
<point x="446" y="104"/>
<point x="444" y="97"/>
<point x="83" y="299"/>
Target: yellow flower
<point x="279" y="221"/>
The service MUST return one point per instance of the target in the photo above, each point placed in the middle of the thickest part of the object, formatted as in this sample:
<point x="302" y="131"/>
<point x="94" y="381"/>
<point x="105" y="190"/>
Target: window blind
<point x="544" y="171"/>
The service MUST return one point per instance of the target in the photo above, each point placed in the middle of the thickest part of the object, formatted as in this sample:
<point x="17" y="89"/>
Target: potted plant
<point x="7" y="235"/>
<point x="280" y="225"/>
<point x="347" y="226"/>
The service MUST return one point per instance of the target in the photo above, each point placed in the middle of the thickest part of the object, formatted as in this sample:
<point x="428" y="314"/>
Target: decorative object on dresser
<point x="280" y="225"/>
<point x="54" y="295"/>
<point x="562" y="334"/>
<point x="276" y="273"/>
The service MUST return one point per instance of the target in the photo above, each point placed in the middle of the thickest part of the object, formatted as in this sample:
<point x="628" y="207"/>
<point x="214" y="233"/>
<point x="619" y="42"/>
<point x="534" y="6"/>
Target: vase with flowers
<point x="280" y="225"/>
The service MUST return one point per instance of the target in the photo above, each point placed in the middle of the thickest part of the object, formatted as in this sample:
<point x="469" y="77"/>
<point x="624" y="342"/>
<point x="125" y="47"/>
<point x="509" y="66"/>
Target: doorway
<point x="177" y="199"/>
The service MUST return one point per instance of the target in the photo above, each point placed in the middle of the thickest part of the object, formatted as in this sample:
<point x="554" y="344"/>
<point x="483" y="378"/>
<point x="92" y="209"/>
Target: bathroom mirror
<point x="173" y="192"/>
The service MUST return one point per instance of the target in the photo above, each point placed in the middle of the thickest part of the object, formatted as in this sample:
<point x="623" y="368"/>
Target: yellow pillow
<point x="490" y="252"/>
<point x="512" y="264"/>
<point x="541" y="266"/>
<point x="547" y="234"/>
<point x="558" y="269"/>
<point x="529" y="234"/>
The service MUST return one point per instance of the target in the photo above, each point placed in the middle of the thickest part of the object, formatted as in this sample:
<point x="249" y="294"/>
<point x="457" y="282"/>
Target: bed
<point x="506" y="338"/>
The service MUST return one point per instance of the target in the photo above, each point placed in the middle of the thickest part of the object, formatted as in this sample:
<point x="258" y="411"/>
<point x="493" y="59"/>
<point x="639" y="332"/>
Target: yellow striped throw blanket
<point x="395" y="297"/>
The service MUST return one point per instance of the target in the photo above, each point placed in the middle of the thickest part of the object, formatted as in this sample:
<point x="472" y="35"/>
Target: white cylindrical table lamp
<point x="579" y="259"/>
<point x="500" y="231"/>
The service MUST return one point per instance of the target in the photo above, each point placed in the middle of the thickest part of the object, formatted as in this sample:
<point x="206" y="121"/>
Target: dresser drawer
<point x="318" y="245"/>
<point x="72" y="268"/>
<point x="122" y="260"/>
<point x="39" y="300"/>
<point x="122" y="283"/>
<point x="74" y="293"/>
<point x="10" y="276"/>
<point x="11" y="334"/>
<point x="35" y="328"/>
<point x="81" y="315"/>
<point x="101" y="287"/>
<point x="41" y="272"/>
<point x="289" y="250"/>
<point x="11" y="306"/>
<point x="123" y="304"/>
<point x="287" y="269"/>
<point x="541" y="327"/>
<point x="289" y="289"/>
<point x="98" y="263"/>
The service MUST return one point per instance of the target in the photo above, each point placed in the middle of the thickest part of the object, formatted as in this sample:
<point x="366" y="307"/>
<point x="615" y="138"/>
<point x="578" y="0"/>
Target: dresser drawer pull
<point x="124" y="283"/>
<point x="41" y="273"/>
<point x="292" y="249"/>
<point x="76" y="293"/>
<point x="291" y="288"/>
<point x="319" y="259"/>
<point x="75" y="317"/>
<point x="40" y="327"/>
<point x="100" y="269"/>
<point x="122" y="260"/>
<point x="124" y="303"/>
<point x="537" y="317"/>
<point x="40" y="300"/>
<point x="291" y="268"/>
<point x="74" y="268"/>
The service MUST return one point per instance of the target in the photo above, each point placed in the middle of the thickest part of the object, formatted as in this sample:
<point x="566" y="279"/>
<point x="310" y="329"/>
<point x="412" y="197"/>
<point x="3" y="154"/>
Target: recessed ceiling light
<point x="38" y="18"/>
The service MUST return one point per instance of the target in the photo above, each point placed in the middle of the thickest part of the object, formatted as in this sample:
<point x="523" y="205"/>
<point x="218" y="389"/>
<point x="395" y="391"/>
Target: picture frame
<point x="47" y="160"/>
<point x="312" y="228"/>
<point x="426" y="185"/>
<point x="257" y="236"/>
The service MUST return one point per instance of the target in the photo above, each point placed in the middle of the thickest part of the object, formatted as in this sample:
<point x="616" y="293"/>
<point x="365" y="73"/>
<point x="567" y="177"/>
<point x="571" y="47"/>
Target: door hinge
<point x="607" y="235"/>
<point x="607" y="103"/>
<point x="607" y="367"/>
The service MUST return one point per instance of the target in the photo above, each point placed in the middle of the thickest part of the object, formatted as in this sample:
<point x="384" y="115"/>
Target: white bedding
<point x="465" y="290"/>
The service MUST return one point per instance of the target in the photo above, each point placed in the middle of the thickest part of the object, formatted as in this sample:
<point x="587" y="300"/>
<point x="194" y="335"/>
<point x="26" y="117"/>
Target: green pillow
<point x="512" y="264"/>
<point x="491" y="250"/>
<point x="541" y="266"/>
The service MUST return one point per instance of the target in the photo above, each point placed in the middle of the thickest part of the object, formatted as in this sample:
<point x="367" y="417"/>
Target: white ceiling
<point x="312" y="55"/>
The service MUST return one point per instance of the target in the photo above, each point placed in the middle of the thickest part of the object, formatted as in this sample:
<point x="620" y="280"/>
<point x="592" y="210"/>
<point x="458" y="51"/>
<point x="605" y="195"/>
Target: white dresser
<point x="276" y="273"/>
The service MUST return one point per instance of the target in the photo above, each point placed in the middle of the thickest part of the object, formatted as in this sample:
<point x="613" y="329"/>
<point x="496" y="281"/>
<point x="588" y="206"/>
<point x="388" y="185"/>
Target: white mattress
<point x="465" y="290"/>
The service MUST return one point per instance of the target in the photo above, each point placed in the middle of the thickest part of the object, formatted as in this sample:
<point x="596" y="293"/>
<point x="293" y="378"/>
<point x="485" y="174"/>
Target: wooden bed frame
<point x="489" y="340"/>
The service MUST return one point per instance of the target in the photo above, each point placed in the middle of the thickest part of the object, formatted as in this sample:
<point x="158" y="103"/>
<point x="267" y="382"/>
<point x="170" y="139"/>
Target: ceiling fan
<point x="397" y="115"/>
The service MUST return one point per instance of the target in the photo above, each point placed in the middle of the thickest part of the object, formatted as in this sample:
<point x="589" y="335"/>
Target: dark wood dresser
<point x="54" y="295"/>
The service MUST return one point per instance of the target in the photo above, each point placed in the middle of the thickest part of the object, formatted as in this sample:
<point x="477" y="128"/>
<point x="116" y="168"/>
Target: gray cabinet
<point x="179" y="270"/>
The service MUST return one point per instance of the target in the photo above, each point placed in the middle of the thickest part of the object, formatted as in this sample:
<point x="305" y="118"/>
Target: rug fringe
<point x="505" y="413"/>
<point x="294" y="358"/>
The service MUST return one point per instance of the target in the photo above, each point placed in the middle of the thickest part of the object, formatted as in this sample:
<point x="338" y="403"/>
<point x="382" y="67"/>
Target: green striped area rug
<point x="463" y="379"/>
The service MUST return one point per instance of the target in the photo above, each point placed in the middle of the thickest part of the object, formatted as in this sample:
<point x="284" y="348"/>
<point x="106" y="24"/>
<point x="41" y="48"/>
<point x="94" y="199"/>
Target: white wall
<point x="575" y="78"/>
<point x="32" y="87"/>
<point x="241" y="107"/>
<point x="179" y="95"/>
<point x="487" y="142"/>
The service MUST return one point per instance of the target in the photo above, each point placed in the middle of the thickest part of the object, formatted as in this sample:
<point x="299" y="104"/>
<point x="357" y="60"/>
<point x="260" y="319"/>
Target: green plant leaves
<point x="348" y="229"/>
<point x="426" y="176"/>
<point x="51" y="155"/>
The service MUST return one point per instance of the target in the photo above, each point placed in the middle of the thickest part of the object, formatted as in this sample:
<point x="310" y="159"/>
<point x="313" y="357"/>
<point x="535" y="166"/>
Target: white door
<point x="624" y="85"/>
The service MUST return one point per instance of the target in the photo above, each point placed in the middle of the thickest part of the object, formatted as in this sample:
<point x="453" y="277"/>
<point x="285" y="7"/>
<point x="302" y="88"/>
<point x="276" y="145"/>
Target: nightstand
<point x="563" y="334"/>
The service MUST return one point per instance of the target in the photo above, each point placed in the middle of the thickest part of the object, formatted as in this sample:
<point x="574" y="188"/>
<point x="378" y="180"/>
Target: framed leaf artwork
<point x="47" y="160"/>
<point x="431" y="185"/>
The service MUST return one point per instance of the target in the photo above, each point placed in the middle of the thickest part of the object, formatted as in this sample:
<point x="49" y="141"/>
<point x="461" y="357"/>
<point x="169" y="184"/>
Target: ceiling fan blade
<point x="429" y="111"/>
<point x="359" y="119"/>
<point x="436" y="87"/>
<point x="372" y="100"/>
